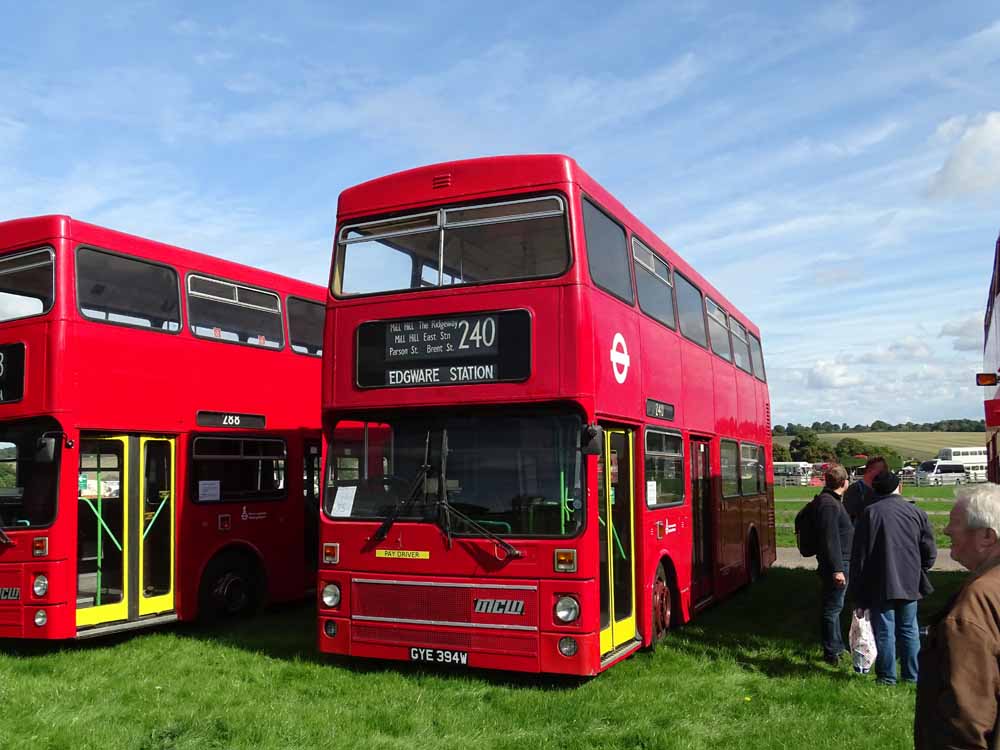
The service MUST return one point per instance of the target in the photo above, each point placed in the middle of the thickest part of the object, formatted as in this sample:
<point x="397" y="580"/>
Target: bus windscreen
<point x="516" y="475"/>
<point x="28" y="480"/>
<point x="27" y="284"/>
<point x="473" y="244"/>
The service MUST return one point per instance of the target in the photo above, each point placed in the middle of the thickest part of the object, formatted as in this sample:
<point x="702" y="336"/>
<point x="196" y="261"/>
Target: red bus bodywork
<point x="430" y="607"/>
<point x="991" y="366"/>
<point x="107" y="390"/>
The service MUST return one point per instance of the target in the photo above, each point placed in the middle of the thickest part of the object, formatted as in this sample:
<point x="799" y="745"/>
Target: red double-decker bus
<point x="160" y="442"/>
<point x="991" y="370"/>
<point x="567" y="445"/>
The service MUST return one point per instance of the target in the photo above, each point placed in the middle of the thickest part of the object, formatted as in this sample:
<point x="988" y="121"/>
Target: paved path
<point x="789" y="557"/>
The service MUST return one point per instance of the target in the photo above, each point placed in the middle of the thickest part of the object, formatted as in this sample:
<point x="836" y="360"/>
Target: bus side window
<point x="607" y="254"/>
<point x="690" y="311"/>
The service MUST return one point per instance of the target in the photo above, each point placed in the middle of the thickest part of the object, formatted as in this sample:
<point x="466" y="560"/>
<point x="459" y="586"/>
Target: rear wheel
<point x="662" y="607"/>
<point x="753" y="559"/>
<point x="230" y="588"/>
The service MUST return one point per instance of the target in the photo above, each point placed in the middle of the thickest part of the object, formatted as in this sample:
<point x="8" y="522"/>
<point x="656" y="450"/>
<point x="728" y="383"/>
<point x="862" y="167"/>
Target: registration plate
<point x="439" y="656"/>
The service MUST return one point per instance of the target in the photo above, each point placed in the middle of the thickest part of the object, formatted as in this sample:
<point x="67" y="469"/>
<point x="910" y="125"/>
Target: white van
<point x="940" y="472"/>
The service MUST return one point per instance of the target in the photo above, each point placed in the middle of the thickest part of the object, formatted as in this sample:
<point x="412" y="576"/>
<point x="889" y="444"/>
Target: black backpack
<point x="806" y="529"/>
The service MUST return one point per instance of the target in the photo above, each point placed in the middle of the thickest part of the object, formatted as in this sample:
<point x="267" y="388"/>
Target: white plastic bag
<point x="862" y="639"/>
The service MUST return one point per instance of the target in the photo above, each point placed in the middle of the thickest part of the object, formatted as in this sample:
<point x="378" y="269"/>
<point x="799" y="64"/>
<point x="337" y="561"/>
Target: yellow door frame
<point x="166" y="512"/>
<point x="621" y="631"/>
<point x="119" y="610"/>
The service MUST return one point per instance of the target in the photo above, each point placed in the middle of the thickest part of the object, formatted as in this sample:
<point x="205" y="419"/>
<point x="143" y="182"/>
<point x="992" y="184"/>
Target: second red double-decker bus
<point x="991" y="371"/>
<point x="567" y="441"/>
<point x="159" y="432"/>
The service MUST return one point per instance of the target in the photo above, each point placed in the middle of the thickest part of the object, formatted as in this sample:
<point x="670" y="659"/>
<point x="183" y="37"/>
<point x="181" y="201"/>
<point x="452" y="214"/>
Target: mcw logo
<point x="499" y="606"/>
<point x="9" y="594"/>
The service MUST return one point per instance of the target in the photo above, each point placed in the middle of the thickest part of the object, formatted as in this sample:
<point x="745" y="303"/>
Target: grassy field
<point x="746" y="674"/>
<point x="946" y="492"/>
<point x="936" y="501"/>
<point x="918" y="445"/>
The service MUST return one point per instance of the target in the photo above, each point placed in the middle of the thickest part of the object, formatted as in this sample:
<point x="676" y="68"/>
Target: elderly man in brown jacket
<point x="959" y="684"/>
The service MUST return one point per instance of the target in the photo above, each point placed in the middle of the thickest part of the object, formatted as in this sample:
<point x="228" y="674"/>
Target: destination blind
<point x="446" y="350"/>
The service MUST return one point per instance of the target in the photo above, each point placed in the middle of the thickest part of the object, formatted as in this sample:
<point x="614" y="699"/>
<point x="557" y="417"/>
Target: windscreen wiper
<point x="418" y="488"/>
<point x="5" y="540"/>
<point x="446" y="511"/>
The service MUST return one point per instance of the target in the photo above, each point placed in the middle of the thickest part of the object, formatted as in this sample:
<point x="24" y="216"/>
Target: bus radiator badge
<point x="499" y="606"/>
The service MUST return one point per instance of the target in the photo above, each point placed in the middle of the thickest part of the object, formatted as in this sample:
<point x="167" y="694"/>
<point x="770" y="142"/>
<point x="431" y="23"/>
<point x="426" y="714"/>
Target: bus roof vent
<point x="440" y="181"/>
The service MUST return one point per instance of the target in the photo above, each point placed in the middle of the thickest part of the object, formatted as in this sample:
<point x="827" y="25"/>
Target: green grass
<point x="745" y="674"/>
<point x="918" y="445"/>
<point x="908" y="490"/>
<point x="786" y="508"/>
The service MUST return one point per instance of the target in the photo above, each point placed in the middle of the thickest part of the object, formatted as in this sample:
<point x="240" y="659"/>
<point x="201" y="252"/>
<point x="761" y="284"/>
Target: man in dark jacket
<point x="892" y="551"/>
<point x="860" y="494"/>
<point x="959" y="688"/>
<point x="833" y="553"/>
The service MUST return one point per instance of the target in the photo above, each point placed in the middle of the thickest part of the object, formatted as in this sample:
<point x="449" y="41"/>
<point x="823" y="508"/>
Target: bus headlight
<point x="567" y="609"/>
<point x="40" y="585"/>
<point x="41" y="618"/>
<point x="331" y="595"/>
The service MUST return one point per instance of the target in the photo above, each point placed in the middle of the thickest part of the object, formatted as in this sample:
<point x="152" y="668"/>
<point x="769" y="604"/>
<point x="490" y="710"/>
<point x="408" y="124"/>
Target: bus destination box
<point x="465" y="349"/>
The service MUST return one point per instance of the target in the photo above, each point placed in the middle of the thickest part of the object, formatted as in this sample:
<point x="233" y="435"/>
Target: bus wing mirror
<point x="592" y="440"/>
<point x="45" y="450"/>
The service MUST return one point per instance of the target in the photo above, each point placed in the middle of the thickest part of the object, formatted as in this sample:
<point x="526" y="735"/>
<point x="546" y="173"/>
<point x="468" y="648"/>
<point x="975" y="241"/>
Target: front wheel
<point x="662" y="607"/>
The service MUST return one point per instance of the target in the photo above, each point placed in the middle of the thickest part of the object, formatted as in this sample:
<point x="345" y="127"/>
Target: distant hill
<point x="919" y="445"/>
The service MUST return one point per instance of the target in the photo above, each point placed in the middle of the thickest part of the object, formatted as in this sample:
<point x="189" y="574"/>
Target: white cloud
<point x="951" y="128"/>
<point x="967" y="334"/>
<point x="11" y="133"/>
<point x="213" y="57"/>
<point x="826" y="374"/>
<point x="973" y="166"/>
<point x="839" y="17"/>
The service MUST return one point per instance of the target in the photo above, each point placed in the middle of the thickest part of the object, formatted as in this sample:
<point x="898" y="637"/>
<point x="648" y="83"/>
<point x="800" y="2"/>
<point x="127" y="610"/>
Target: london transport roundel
<point x="619" y="358"/>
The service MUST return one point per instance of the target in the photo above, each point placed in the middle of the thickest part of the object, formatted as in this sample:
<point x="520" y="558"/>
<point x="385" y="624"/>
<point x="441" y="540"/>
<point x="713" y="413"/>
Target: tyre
<point x="753" y="560"/>
<point x="662" y="608"/>
<point x="230" y="587"/>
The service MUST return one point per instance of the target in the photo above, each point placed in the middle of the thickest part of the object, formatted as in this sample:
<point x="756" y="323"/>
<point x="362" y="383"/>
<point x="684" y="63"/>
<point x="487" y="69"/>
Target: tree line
<point x="944" y="425"/>
<point x="806" y="446"/>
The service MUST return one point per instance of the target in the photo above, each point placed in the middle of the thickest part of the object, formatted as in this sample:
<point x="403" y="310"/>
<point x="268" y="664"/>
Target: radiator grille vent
<point x="444" y="638"/>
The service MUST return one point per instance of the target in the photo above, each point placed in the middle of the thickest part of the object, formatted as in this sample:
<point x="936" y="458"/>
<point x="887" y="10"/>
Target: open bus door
<point x="617" y="540"/>
<point x="125" y="529"/>
<point x="702" y="543"/>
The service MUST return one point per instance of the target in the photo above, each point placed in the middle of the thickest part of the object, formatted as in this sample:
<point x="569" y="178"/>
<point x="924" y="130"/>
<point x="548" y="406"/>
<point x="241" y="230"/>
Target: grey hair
<point x="982" y="506"/>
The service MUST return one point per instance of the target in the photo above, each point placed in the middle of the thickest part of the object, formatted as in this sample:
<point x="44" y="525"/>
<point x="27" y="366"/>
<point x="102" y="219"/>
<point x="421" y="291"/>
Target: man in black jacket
<point x="860" y="494"/>
<point x="893" y="550"/>
<point x="833" y="532"/>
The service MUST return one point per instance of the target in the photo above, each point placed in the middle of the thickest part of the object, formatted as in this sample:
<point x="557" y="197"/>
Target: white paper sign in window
<point x="343" y="503"/>
<point x="209" y="491"/>
<point x="651" y="492"/>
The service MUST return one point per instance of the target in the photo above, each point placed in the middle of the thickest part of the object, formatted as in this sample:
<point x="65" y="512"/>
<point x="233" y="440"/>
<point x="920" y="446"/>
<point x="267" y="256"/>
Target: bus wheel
<point x="753" y="559"/>
<point x="662" y="607"/>
<point x="229" y="588"/>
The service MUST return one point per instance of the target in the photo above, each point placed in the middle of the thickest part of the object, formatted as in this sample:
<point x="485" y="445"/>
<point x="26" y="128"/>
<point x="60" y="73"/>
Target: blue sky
<point x="833" y="168"/>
